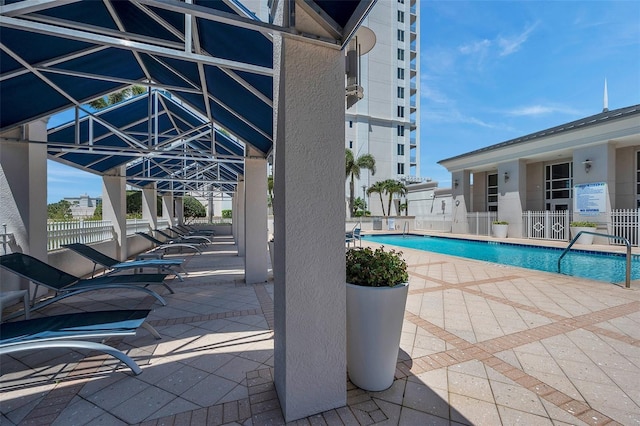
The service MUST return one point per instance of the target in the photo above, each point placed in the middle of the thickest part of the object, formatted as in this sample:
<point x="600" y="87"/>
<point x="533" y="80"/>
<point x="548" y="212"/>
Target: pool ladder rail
<point x="405" y="229"/>
<point x="627" y="282"/>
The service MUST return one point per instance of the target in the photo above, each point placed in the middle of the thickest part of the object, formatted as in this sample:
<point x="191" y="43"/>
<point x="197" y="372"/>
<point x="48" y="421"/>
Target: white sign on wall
<point x="590" y="198"/>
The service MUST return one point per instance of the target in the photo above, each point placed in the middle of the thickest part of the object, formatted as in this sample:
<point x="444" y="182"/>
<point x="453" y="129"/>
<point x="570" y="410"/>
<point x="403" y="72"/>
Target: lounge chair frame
<point x="163" y="246"/>
<point x="67" y="285"/>
<point x="188" y="239"/>
<point x="65" y="336"/>
<point x="99" y="258"/>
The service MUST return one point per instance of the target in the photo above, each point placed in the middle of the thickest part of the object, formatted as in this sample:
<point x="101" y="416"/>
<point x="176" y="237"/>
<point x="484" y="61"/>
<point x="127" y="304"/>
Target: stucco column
<point x="167" y="207"/>
<point x="23" y="195"/>
<point x="234" y="221"/>
<point x="239" y="215"/>
<point x="309" y="270"/>
<point x="114" y="207"/>
<point x="255" y="223"/>
<point x="461" y="191"/>
<point x="179" y="205"/>
<point x="512" y="191"/>
<point x="149" y="205"/>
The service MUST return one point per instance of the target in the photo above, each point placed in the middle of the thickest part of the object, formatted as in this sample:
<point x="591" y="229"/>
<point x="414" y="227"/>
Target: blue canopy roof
<point x="214" y="56"/>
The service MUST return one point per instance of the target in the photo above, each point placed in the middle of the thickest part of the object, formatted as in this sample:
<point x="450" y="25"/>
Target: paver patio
<point x="482" y="344"/>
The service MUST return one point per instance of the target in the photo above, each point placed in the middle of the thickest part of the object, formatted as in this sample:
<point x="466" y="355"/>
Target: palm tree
<point x="392" y="187"/>
<point x="379" y="188"/>
<point x="115" y="97"/>
<point x="353" y="166"/>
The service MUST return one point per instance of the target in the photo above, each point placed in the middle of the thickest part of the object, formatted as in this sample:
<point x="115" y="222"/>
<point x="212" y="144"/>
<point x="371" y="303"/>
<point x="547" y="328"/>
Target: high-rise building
<point x="385" y="123"/>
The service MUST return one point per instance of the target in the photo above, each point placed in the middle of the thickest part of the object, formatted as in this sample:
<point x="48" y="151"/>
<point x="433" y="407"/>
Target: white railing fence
<point x="480" y="222"/>
<point x="137" y="225"/>
<point x="625" y="223"/>
<point x="78" y="231"/>
<point x="546" y="225"/>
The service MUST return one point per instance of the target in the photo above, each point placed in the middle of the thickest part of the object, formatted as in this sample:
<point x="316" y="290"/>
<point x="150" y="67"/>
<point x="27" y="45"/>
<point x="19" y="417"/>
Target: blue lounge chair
<point x="190" y="230"/>
<point x="66" y="285"/>
<point x="99" y="258"/>
<point x="73" y="331"/>
<point x="164" y="246"/>
<point x="188" y="239"/>
<point x="352" y="237"/>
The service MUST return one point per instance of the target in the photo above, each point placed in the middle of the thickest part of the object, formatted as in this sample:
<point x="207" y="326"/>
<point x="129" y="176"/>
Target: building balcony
<point x="414" y="9"/>
<point x="412" y="142"/>
<point x="413" y="86"/>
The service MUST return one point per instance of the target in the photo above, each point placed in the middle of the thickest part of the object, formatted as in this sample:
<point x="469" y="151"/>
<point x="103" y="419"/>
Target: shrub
<point x="375" y="268"/>
<point x="226" y="214"/>
<point x="583" y="224"/>
<point x="500" y="222"/>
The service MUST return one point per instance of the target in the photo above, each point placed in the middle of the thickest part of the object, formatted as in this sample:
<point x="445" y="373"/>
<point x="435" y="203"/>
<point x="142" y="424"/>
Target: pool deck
<point x="482" y="344"/>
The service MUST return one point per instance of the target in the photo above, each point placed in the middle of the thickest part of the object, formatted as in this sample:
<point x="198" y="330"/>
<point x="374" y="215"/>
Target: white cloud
<point x="512" y="44"/>
<point x="476" y="47"/>
<point x="537" y="110"/>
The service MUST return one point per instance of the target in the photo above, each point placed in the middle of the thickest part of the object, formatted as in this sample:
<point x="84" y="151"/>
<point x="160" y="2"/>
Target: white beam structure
<point x="179" y="206"/>
<point x="167" y="207"/>
<point x="309" y="271"/>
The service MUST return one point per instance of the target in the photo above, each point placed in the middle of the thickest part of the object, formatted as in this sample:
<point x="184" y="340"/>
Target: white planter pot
<point x="500" y="231"/>
<point x="374" y="327"/>
<point x="584" y="238"/>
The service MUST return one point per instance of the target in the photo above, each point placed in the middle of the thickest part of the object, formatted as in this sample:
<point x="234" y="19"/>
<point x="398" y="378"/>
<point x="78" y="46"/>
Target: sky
<point x="492" y="71"/>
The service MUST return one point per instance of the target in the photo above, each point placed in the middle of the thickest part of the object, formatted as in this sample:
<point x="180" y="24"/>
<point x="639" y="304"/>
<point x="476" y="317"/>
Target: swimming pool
<point x="593" y="265"/>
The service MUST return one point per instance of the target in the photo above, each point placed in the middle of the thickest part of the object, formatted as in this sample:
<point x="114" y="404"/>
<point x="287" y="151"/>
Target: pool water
<point x="594" y="265"/>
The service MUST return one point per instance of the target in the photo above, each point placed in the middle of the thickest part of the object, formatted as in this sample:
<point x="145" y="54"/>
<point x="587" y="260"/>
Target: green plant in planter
<point x="500" y="222"/>
<point x="375" y="268"/>
<point x="583" y="224"/>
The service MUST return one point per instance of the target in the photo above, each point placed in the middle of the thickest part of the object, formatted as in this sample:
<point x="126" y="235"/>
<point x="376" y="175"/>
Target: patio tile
<point x="470" y="411"/>
<point x="410" y="417"/>
<point x="423" y="398"/>
<point x="145" y="403"/>
<point x="78" y="412"/>
<point x="180" y="380"/>
<point x="173" y="407"/>
<point x="510" y="416"/>
<point x="209" y="391"/>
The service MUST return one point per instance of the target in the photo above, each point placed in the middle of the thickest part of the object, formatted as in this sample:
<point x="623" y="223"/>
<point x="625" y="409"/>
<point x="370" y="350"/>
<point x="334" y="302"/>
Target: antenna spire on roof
<point x="605" y="106"/>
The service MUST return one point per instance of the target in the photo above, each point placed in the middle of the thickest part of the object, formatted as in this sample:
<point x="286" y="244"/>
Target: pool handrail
<point x="627" y="282"/>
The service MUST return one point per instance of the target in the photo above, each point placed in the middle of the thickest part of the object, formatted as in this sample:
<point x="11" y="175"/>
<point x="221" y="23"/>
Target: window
<point x="401" y="54"/>
<point x="492" y="192"/>
<point x="558" y="184"/>
<point x="350" y="124"/>
<point x="400" y="149"/>
<point x="350" y="144"/>
<point x="400" y="111"/>
<point x="401" y="73"/>
<point x="401" y="92"/>
<point x="400" y="16"/>
<point x="400" y="130"/>
<point x="400" y="168"/>
<point x="401" y="1"/>
<point x="400" y="35"/>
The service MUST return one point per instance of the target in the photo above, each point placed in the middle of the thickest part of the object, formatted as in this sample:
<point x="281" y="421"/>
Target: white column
<point x="234" y="221"/>
<point x="309" y="273"/>
<point x="461" y="191"/>
<point x="23" y="195"/>
<point x="512" y="192"/>
<point x="114" y="207"/>
<point x="255" y="220"/>
<point x="179" y="203"/>
<point x="150" y="205"/>
<point x="167" y="207"/>
<point x="239" y="215"/>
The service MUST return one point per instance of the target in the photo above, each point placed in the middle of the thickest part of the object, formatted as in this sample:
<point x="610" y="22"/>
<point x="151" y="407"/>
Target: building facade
<point x="385" y="123"/>
<point x="588" y="167"/>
